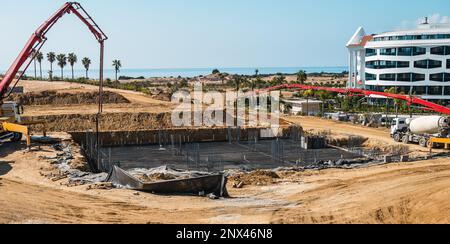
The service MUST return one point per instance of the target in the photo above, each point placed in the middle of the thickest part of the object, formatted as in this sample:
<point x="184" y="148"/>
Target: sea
<point x="186" y="72"/>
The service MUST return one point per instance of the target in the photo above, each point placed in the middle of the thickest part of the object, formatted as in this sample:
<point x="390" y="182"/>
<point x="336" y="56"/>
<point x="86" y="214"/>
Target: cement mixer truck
<point x="428" y="131"/>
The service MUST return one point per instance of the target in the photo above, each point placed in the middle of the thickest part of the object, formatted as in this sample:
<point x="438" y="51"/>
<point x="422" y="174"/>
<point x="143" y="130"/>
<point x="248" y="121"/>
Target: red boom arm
<point x="38" y="39"/>
<point x="410" y="99"/>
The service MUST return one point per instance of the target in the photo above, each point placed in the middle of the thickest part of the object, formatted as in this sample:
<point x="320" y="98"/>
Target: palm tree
<point x="301" y="77"/>
<point x="39" y="58"/>
<point x="117" y="65"/>
<point x="237" y="80"/>
<point x="86" y="63"/>
<point x="51" y="57"/>
<point x="72" y="59"/>
<point x="256" y="73"/>
<point x="62" y="62"/>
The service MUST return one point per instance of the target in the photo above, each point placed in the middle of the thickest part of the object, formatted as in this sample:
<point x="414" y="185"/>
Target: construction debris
<point x="64" y="170"/>
<point x="100" y="186"/>
<point x="255" y="178"/>
<point x="204" y="185"/>
<point x="45" y="140"/>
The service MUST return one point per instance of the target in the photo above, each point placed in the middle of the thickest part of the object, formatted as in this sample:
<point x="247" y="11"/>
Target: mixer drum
<point x="428" y="125"/>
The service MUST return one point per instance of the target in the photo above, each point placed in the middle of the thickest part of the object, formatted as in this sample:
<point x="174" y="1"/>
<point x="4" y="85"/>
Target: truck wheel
<point x="405" y="139"/>
<point x="17" y="137"/>
<point x="397" y="137"/>
<point x="423" y="142"/>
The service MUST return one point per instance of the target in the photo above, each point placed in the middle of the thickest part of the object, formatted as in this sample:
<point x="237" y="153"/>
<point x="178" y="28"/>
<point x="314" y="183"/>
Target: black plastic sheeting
<point x="211" y="184"/>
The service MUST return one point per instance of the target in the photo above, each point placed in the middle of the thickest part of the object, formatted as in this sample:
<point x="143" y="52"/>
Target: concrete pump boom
<point x="38" y="39"/>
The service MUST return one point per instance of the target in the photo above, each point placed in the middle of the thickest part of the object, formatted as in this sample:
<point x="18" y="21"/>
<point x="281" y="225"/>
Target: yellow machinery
<point x="10" y="127"/>
<point x="439" y="141"/>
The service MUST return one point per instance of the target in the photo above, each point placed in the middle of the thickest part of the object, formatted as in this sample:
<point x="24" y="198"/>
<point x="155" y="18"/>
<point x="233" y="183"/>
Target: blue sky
<point x="212" y="33"/>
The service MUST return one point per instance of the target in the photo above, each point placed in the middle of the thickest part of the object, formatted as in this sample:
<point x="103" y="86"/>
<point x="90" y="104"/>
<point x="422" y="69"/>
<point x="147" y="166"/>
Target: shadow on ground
<point x="5" y="150"/>
<point x="5" y="167"/>
<point x="10" y="147"/>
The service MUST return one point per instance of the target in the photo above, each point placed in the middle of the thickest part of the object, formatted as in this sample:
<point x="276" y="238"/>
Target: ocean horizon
<point x="186" y="72"/>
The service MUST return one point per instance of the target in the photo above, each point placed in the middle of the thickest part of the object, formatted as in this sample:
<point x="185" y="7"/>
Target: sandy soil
<point x="395" y="193"/>
<point x="139" y="101"/>
<point x="379" y="137"/>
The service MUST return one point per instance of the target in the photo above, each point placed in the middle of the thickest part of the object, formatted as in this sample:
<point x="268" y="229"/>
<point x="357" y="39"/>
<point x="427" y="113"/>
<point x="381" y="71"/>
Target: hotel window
<point x="405" y="51"/>
<point x="438" y="50"/>
<point x="419" y="90"/>
<point x="371" y="76"/>
<point x="382" y="64"/>
<point x="428" y="64"/>
<point x="371" y="52"/>
<point x="432" y="64"/>
<point x="422" y="64"/>
<point x="418" y="77"/>
<point x="419" y="51"/>
<point x="403" y="64"/>
<point x="412" y="37"/>
<point x="387" y="65"/>
<point x="371" y="65"/>
<point x="447" y="90"/>
<point x="404" y="89"/>
<point x="435" y="90"/>
<point x="371" y="88"/>
<point x="404" y="77"/>
<point x="387" y="77"/>
<point x="448" y="63"/>
<point x="388" y="51"/>
<point x="446" y="77"/>
<point x="437" y="77"/>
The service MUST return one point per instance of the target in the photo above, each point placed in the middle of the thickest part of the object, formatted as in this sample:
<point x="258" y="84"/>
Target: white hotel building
<point x="415" y="61"/>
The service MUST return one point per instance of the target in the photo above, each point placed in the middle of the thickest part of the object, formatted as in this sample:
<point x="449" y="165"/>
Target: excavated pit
<point x="210" y="150"/>
<point x="148" y="140"/>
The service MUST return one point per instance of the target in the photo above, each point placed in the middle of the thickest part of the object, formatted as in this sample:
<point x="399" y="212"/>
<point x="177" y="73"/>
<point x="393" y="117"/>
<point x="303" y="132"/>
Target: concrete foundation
<point x="213" y="149"/>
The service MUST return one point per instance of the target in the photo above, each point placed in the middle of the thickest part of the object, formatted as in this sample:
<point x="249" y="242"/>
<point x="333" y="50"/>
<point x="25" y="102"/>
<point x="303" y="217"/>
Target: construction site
<point x="84" y="153"/>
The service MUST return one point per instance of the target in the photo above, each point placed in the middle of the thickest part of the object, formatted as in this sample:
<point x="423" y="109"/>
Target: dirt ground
<point x="395" y="193"/>
<point x="139" y="102"/>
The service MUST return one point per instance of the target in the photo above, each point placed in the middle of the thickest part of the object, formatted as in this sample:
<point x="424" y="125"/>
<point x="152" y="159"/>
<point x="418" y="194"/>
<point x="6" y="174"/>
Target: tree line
<point x="62" y="60"/>
<point x="256" y="82"/>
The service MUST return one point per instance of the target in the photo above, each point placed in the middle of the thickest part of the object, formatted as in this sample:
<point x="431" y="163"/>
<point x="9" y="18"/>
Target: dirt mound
<point x="161" y="94"/>
<point x="256" y="178"/>
<point x="156" y="177"/>
<point x="347" y="141"/>
<point x="55" y="98"/>
<point x="109" y="122"/>
<point x="386" y="148"/>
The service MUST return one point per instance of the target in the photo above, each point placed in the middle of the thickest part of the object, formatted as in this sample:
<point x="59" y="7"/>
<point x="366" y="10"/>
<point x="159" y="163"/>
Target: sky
<point x="146" y="34"/>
